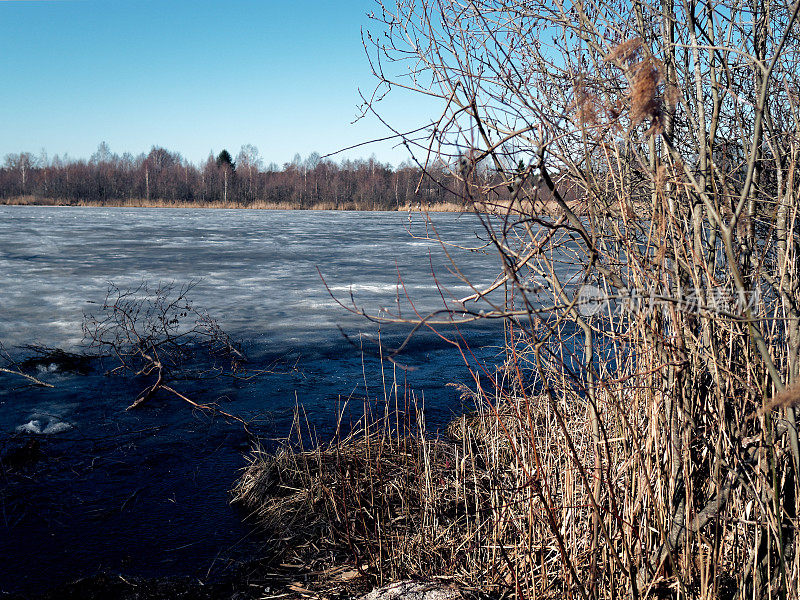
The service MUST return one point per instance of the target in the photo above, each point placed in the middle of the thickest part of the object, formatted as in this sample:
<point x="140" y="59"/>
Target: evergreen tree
<point x="224" y="159"/>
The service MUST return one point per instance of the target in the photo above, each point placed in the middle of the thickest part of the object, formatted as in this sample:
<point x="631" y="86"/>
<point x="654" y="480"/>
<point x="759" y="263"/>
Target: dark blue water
<point x="146" y="492"/>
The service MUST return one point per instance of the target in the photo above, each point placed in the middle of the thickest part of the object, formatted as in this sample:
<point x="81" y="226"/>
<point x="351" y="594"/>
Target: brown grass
<point x="462" y="506"/>
<point x="438" y="207"/>
<point x="257" y="205"/>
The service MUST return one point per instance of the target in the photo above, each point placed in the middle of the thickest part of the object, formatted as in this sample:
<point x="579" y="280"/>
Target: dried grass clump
<point x="387" y="502"/>
<point x="462" y="506"/>
<point x="525" y="497"/>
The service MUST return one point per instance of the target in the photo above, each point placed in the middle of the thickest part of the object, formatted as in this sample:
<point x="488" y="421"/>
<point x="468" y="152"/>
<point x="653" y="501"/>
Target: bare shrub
<point x="158" y="334"/>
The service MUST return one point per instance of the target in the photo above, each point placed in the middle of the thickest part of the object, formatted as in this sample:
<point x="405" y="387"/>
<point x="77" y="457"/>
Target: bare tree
<point x="251" y="163"/>
<point x="21" y="164"/>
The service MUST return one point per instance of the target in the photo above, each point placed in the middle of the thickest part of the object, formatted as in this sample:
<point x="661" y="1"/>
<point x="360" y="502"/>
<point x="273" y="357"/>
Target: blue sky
<point x="193" y="76"/>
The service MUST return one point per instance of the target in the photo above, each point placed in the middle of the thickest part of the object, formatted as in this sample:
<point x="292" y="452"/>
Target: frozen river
<point x="145" y="492"/>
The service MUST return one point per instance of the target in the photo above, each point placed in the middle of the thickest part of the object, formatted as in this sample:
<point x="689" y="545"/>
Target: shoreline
<point x="548" y="208"/>
<point x="260" y="205"/>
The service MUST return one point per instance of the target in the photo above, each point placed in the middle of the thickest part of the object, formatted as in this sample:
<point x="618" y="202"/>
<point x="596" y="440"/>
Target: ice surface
<point x="251" y="266"/>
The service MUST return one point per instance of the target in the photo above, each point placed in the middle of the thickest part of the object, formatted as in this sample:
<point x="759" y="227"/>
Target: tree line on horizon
<point x="164" y="175"/>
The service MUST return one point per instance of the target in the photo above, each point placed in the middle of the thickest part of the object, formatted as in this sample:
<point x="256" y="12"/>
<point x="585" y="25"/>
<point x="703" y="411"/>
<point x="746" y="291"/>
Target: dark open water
<point x="145" y="492"/>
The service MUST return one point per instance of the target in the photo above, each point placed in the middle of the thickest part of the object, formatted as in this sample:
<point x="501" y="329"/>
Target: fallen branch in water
<point x="16" y="369"/>
<point x="158" y="333"/>
<point x="30" y="378"/>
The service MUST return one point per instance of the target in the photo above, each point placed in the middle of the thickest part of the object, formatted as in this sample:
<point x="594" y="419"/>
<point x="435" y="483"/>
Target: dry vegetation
<point x="393" y="502"/>
<point x="640" y="439"/>
<point x="255" y="205"/>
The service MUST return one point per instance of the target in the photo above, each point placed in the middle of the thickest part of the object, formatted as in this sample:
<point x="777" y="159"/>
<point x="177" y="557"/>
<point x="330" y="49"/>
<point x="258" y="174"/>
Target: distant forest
<point x="243" y="180"/>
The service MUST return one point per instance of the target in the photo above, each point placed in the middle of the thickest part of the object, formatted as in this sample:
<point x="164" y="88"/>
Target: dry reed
<point x="255" y="205"/>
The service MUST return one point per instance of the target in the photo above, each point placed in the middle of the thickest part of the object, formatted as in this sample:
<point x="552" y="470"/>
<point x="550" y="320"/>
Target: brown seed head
<point x="644" y="93"/>
<point x="627" y="51"/>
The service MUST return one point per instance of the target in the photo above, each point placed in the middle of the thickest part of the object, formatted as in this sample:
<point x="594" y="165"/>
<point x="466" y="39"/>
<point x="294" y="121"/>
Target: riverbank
<point x="543" y="207"/>
<point x="257" y="205"/>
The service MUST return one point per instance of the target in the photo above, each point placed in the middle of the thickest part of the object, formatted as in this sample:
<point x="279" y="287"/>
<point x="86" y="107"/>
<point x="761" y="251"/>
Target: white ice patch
<point x="368" y="287"/>
<point x="44" y="425"/>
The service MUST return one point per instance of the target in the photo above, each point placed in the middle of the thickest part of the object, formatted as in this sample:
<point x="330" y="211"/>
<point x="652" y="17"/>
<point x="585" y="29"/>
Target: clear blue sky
<point x="190" y="75"/>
